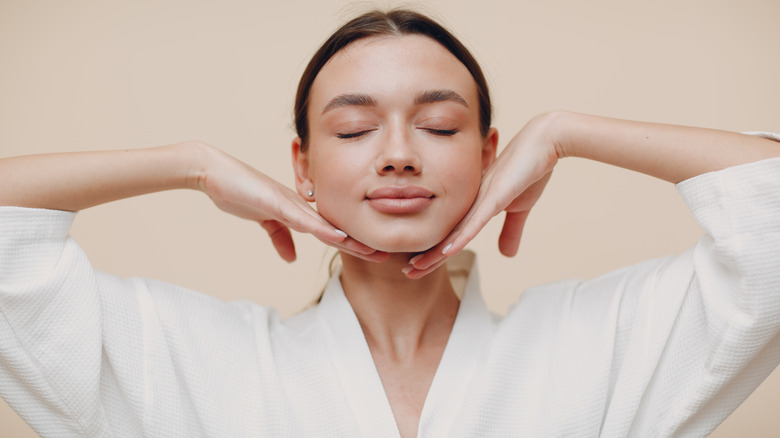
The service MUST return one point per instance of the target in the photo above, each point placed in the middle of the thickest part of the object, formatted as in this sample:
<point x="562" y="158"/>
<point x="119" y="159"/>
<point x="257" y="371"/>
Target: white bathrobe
<point x="668" y="347"/>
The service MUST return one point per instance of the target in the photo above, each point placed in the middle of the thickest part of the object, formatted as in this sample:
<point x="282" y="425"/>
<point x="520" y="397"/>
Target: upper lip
<point x="399" y="192"/>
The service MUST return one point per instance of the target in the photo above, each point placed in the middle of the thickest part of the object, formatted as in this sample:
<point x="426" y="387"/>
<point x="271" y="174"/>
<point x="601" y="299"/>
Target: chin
<point x="400" y="242"/>
<point x="398" y="235"/>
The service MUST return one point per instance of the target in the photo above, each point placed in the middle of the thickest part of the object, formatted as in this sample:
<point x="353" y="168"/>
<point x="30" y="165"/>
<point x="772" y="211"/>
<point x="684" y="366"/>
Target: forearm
<point x="672" y="153"/>
<point x="75" y="181"/>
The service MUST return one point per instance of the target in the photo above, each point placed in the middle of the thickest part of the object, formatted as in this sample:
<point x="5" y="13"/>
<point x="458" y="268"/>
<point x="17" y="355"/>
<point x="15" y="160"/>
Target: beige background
<point x="83" y="75"/>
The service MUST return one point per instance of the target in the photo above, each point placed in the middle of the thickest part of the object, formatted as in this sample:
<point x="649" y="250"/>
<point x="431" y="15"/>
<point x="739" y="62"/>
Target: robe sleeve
<point x="50" y="330"/>
<point x="700" y="332"/>
<point x="84" y="353"/>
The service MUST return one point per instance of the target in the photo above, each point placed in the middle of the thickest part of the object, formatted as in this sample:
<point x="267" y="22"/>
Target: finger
<point x="462" y="234"/>
<point x="323" y="230"/>
<point x="512" y="231"/>
<point x="444" y="248"/>
<point x="302" y="218"/>
<point x="431" y="257"/>
<point x="416" y="274"/>
<point x="376" y="256"/>
<point x="485" y="211"/>
<point x="281" y="239"/>
<point x="313" y="223"/>
<point x="354" y="246"/>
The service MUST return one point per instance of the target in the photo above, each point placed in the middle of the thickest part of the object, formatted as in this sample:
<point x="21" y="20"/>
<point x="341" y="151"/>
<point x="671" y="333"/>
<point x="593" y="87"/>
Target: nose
<point x="398" y="156"/>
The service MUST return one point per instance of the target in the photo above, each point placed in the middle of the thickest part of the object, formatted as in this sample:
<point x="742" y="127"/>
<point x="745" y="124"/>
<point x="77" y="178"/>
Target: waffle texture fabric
<point x="668" y="347"/>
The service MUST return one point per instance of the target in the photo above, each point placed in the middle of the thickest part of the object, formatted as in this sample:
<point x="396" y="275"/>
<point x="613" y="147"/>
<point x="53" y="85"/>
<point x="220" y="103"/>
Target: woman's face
<point x="395" y="153"/>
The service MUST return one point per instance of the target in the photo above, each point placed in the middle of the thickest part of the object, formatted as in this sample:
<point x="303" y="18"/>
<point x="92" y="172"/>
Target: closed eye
<point x="442" y="132"/>
<point x="348" y="135"/>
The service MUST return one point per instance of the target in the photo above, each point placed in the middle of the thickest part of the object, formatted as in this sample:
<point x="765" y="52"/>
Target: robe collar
<point x="460" y="362"/>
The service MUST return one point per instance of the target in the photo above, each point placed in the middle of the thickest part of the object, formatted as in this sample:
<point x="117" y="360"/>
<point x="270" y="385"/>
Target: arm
<point x="685" y="338"/>
<point x="75" y="181"/>
<point x="669" y="152"/>
<point x="517" y="178"/>
<point x="50" y="295"/>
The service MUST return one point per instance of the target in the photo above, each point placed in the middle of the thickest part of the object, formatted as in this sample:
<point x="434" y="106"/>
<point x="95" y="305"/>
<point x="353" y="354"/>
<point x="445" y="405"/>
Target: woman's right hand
<point x="79" y="180"/>
<point x="241" y="190"/>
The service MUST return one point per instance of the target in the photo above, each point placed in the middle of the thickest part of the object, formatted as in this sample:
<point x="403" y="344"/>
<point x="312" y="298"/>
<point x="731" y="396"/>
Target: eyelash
<point x="440" y="132"/>
<point x="443" y="132"/>
<point x="352" y="134"/>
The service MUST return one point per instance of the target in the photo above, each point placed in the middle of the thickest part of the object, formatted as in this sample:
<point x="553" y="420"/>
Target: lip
<point x="399" y="199"/>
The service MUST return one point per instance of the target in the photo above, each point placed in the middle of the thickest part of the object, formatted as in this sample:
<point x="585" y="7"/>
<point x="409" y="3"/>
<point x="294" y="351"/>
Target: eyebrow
<point x="433" y="96"/>
<point x="356" y="99"/>
<point x="425" y="97"/>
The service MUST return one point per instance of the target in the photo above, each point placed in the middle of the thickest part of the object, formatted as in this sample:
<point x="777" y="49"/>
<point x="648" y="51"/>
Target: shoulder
<point x="576" y="305"/>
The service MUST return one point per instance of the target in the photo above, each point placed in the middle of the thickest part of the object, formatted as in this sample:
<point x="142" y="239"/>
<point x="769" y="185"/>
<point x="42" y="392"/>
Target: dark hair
<point x="377" y="23"/>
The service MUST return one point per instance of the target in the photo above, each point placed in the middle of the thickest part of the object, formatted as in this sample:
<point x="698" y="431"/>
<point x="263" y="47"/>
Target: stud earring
<point x="310" y="193"/>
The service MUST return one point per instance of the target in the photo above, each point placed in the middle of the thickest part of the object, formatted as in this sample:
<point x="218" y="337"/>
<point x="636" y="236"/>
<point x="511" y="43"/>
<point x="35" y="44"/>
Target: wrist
<point x="197" y="158"/>
<point x="556" y="128"/>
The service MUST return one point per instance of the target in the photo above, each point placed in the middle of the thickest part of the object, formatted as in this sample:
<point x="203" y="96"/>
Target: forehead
<point x="391" y="69"/>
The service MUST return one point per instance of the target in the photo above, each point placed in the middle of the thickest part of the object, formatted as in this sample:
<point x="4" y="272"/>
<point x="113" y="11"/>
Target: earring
<point x="310" y="193"/>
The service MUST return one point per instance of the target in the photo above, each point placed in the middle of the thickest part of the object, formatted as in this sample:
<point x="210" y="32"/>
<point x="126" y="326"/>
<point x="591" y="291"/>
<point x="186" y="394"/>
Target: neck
<point x="399" y="316"/>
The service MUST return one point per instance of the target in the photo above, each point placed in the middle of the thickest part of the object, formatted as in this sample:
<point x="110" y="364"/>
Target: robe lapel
<point x="462" y="356"/>
<point x="460" y="362"/>
<point x="354" y="364"/>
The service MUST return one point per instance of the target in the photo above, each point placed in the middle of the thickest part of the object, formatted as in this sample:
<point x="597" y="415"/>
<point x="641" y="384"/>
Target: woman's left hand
<point x="517" y="178"/>
<point x="513" y="183"/>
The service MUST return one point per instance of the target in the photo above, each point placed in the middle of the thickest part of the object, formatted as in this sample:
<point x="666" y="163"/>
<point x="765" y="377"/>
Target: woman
<point x="395" y="145"/>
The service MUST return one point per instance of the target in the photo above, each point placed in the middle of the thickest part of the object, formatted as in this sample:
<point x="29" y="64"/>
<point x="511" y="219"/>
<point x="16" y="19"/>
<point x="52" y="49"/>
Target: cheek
<point x="461" y="174"/>
<point x="461" y="196"/>
<point x="337" y="186"/>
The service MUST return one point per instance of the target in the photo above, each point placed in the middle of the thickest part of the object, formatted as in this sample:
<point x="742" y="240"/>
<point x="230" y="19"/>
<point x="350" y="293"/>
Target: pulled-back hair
<point x="396" y="22"/>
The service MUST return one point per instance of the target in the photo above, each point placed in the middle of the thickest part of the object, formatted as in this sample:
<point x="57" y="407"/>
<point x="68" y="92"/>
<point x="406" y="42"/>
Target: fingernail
<point x="416" y="259"/>
<point x="341" y="233"/>
<point x="446" y="248"/>
<point x="407" y="269"/>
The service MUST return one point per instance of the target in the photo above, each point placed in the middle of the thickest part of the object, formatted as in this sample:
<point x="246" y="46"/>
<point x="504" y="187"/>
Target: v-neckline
<point x="360" y="379"/>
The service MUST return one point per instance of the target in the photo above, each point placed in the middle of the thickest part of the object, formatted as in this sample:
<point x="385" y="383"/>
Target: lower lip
<point x="399" y="205"/>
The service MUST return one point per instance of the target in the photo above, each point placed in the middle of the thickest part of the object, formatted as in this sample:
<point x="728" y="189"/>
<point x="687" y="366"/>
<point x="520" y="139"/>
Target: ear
<point x="489" y="149"/>
<point x="303" y="182"/>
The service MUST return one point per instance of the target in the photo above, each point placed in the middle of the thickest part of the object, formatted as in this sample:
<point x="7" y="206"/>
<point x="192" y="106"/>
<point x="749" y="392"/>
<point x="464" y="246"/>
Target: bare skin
<point x="407" y="324"/>
<point x="517" y="178"/>
<point x="406" y="310"/>
<point x="78" y="180"/>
